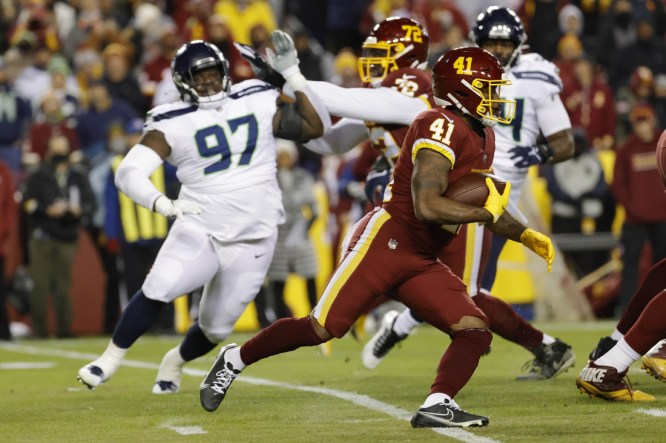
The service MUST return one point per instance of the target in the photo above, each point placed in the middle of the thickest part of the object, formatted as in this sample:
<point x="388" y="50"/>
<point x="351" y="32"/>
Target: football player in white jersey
<point x="221" y="137"/>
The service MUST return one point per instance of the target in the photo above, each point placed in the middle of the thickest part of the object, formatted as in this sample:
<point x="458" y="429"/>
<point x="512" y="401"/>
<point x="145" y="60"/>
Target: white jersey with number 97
<point x="226" y="160"/>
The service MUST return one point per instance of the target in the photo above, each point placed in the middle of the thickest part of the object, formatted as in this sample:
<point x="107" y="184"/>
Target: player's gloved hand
<point x="285" y="59"/>
<point x="496" y="203"/>
<point x="525" y="156"/>
<point x="540" y="244"/>
<point x="262" y="70"/>
<point x="176" y="208"/>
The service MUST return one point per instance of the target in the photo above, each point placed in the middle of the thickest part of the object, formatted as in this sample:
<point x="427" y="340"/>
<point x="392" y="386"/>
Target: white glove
<point x="176" y="208"/>
<point x="285" y="60"/>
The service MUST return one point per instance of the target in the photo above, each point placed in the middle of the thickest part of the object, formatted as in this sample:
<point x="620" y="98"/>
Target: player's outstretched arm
<point x="307" y="118"/>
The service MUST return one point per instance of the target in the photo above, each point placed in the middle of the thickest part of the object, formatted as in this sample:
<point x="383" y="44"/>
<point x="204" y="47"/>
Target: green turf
<point x="48" y="405"/>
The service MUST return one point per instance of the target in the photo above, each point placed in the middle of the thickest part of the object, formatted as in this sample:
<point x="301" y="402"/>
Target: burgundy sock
<point x="506" y="322"/>
<point x="652" y="284"/>
<point x="650" y="326"/>
<point x="284" y="335"/>
<point x="460" y="360"/>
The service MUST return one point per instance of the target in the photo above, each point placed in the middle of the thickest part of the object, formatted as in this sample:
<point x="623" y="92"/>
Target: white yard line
<point x="352" y="397"/>
<point x="652" y="412"/>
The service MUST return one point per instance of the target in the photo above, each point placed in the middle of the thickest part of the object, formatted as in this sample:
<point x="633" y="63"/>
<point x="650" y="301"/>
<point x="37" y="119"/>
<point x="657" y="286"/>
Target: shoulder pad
<point x="169" y="110"/>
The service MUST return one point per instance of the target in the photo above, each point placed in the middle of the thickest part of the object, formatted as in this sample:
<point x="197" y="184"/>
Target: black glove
<point x="525" y="156"/>
<point x="259" y="66"/>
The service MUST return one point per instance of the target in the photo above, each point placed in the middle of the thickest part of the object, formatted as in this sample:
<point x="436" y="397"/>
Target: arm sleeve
<point x="552" y="115"/>
<point x="133" y="175"/>
<point x="379" y="105"/>
<point x="340" y="138"/>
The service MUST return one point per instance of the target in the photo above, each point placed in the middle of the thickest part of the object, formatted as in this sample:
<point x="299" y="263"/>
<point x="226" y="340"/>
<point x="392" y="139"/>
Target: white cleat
<point x="170" y="373"/>
<point x="382" y="342"/>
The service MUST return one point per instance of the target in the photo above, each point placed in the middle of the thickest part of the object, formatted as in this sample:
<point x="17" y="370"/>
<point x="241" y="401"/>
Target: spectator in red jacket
<point x="8" y="211"/>
<point x="637" y="186"/>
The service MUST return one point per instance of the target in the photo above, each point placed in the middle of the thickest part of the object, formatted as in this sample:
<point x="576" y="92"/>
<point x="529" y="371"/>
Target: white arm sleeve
<point x="318" y="105"/>
<point x="379" y="105"/>
<point x="552" y="116"/>
<point x="133" y="175"/>
<point x="340" y="138"/>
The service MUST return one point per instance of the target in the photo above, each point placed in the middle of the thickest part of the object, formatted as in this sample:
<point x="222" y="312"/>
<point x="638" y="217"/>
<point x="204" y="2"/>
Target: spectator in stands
<point x="8" y="219"/>
<point x="219" y="34"/>
<point x="14" y="124"/>
<point x="294" y="250"/>
<point x="579" y="191"/>
<point x="641" y="89"/>
<point x="52" y="120"/>
<point x="616" y="32"/>
<point x="158" y="68"/>
<point x="64" y="85"/>
<point x="648" y="50"/>
<point x="195" y="25"/>
<point x="120" y="80"/>
<point x="569" y="50"/>
<point x="57" y="200"/>
<point x="310" y="61"/>
<point x="103" y="111"/>
<point x="636" y="185"/>
<point x="589" y="102"/>
<point x="243" y="15"/>
<point x="346" y="69"/>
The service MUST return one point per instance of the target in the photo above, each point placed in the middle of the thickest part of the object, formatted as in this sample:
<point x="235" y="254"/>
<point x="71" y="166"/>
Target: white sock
<point x="547" y="339"/>
<point x="405" y="323"/>
<point x="437" y="398"/>
<point x="110" y="359"/>
<point x="617" y="335"/>
<point x="620" y="357"/>
<point x="233" y="357"/>
<point x="171" y="366"/>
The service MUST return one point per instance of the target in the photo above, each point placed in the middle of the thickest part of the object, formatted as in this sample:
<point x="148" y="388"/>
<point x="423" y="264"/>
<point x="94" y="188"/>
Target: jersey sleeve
<point x="380" y="105"/>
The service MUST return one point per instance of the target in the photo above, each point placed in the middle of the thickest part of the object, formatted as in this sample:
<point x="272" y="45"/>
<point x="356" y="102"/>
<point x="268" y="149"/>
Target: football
<point x="471" y="188"/>
<point x="661" y="157"/>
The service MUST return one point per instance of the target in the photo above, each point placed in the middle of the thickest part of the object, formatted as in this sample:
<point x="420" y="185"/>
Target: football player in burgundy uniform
<point x="640" y="327"/>
<point x="394" y="248"/>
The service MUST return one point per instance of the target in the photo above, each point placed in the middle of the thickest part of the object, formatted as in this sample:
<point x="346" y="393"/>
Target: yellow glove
<point x="496" y="202"/>
<point x="540" y="244"/>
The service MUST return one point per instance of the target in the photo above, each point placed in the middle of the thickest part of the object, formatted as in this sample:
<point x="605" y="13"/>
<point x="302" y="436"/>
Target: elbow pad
<point x="133" y="175"/>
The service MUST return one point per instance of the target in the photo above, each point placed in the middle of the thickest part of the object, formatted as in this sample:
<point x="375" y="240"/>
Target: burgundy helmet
<point x="470" y="78"/>
<point x="395" y="43"/>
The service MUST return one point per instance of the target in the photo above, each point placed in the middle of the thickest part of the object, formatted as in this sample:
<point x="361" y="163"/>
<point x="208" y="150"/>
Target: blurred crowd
<point x="78" y="77"/>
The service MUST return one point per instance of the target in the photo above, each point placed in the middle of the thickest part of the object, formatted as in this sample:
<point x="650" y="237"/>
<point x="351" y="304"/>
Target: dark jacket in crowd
<point x="43" y="188"/>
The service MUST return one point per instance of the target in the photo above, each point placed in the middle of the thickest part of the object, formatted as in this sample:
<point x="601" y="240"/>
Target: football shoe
<point x="382" y="342"/>
<point x="95" y="373"/>
<point x="216" y="383"/>
<point x="446" y="415"/>
<point x="605" y="344"/>
<point x="607" y="383"/>
<point x="549" y="361"/>
<point x="654" y="362"/>
<point x="170" y="373"/>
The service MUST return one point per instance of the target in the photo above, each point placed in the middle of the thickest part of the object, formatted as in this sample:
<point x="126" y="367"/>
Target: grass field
<point x="304" y="396"/>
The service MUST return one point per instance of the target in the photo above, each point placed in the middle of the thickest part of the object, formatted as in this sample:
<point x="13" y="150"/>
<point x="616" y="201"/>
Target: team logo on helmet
<point x="395" y="43"/>
<point x="470" y="79"/>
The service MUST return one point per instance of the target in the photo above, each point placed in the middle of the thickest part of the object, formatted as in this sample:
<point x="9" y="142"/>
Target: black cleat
<point x="549" y="361"/>
<point x="605" y="344"/>
<point x="446" y="415"/>
<point x="216" y="384"/>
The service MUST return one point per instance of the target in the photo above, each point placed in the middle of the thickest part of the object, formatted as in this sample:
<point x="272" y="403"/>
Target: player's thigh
<point x="370" y="269"/>
<point x="243" y="268"/>
<point x="439" y="298"/>
<point x="185" y="262"/>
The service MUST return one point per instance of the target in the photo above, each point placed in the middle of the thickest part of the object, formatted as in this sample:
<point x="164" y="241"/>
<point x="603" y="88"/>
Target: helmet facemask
<point x="380" y="59"/>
